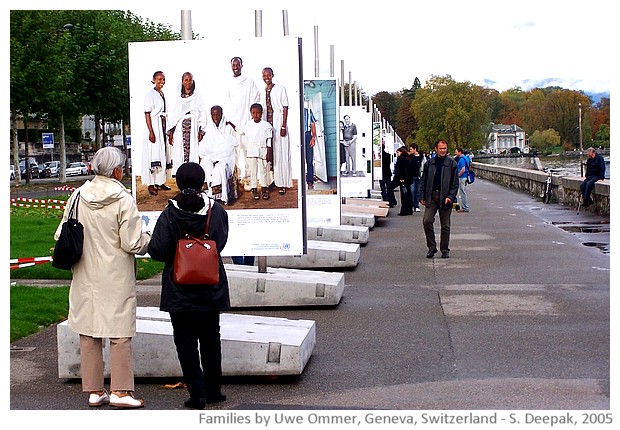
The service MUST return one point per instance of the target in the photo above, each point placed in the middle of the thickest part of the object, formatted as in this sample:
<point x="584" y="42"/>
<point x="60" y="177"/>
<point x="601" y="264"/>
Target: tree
<point x="406" y="123"/>
<point x="543" y="141"/>
<point x="450" y="110"/>
<point x="61" y="75"/>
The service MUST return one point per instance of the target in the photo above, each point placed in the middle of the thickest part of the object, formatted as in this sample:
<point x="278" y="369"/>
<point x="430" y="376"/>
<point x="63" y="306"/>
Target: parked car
<point x="12" y="172"/>
<point x="34" y="169"/>
<point x="54" y="167"/>
<point x="44" y="171"/>
<point x="76" y="169"/>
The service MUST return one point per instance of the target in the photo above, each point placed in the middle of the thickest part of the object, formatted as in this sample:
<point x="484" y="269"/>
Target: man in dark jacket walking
<point x="595" y="171"/>
<point x="438" y="188"/>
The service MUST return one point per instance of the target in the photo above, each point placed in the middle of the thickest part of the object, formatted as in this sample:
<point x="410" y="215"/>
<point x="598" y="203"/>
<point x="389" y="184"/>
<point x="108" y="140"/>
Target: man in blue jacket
<point x="595" y="171"/>
<point x="438" y="188"/>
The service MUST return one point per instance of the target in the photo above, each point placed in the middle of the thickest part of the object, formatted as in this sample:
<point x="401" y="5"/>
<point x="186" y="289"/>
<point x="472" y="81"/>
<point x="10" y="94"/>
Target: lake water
<point x="564" y="165"/>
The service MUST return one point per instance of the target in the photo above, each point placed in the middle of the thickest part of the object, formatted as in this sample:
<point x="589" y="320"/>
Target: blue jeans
<point x="587" y="186"/>
<point x="415" y="193"/>
<point x="462" y="194"/>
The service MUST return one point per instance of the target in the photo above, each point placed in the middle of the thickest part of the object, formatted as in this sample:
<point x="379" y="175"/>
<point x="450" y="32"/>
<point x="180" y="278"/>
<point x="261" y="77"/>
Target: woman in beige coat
<point x="102" y="298"/>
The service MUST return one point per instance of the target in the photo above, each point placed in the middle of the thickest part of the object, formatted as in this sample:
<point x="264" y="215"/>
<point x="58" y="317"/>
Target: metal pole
<point x="258" y="32"/>
<point x="316" y="51"/>
<point x="285" y="22"/>
<point x="331" y="61"/>
<point x="258" y="23"/>
<point x="186" y="24"/>
<point x="350" y="91"/>
<point x="580" y="143"/>
<point x="341" y="82"/>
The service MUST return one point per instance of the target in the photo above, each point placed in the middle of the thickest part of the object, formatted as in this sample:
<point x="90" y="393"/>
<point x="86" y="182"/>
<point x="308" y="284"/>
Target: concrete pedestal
<point x="283" y="287"/>
<point x="340" y="233"/>
<point x="321" y="255"/>
<point x="251" y="346"/>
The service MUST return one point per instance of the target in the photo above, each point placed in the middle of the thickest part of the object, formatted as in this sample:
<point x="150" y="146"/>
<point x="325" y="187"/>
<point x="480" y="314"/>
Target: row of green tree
<point x="69" y="63"/>
<point x="462" y="113"/>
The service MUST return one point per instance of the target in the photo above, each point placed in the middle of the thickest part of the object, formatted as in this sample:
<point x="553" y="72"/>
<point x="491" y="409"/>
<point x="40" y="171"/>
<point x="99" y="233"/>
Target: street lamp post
<point x="580" y="143"/>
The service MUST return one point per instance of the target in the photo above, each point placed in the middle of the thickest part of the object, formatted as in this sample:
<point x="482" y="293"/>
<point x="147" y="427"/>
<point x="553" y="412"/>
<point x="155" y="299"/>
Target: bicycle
<point x="546" y="196"/>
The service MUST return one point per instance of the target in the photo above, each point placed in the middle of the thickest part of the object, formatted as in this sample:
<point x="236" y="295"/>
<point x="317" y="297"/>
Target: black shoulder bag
<point x="68" y="248"/>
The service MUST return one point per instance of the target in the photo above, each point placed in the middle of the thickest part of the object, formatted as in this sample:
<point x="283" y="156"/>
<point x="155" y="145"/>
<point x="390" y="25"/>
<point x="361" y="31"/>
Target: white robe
<point x="258" y="136"/>
<point x="282" y="173"/>
<point x="217" y="155"/>
<point x="154" y="152"/>
<point x="242" y="93"/>
<point x="191" y="107"/>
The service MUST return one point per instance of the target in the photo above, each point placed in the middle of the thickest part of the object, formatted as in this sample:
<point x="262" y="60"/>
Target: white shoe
<point x="95" y="399"/>
<point x="125" y="401"/>
<point x="417" y="209"/>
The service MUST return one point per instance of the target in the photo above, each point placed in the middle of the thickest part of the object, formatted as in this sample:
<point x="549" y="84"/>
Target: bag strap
<point x="75" y="206"/>
<point x="208" y="218"/>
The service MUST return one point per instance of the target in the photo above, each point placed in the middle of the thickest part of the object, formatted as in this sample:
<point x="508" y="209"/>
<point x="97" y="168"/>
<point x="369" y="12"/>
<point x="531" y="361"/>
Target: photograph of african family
<point x="235" y="108"/>
<point x="236" y="125"/>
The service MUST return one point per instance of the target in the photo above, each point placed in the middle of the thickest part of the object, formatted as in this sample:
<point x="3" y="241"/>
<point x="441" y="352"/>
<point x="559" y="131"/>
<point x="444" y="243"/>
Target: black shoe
<point x="265" y="194"/>
<point x="445" y="254"/>
<point x="588" y="203"/>
<point x="164" y="187"/>
<point x="192" y="403"/>
<point x="431" y="253"/>
<point x="255" y="195"/>
<point x="216" y="399"/>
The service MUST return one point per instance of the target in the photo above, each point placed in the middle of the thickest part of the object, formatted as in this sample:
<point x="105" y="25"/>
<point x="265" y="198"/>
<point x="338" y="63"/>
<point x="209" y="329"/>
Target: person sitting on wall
<point x="595" y="171"/>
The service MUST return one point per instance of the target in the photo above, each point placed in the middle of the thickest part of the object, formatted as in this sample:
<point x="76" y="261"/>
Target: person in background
<point x="387" y="192"/>
<point x="194" y="309"/>
<point x="415" y="158"/>
<point x="595" y="171"/>
<point x="102" y="297"/>
<point x="463" y="168"/>
<point x="438" y="187"/>
<point x="402" y="179"/>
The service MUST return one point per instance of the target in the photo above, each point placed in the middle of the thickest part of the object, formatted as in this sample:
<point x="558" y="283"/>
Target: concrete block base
<point x="340" y="233"/>
<point x="283" y="287"/>
<point x="251" y="346"/>
<point x="358" y="219"/>
<point x="321" y="254"/>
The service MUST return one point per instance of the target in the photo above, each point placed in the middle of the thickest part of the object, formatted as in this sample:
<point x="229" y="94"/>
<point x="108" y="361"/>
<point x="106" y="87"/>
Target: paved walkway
<point x="517" y="318"/>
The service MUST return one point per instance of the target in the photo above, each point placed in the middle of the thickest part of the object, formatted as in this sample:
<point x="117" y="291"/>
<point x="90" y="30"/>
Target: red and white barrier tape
<point x="39" y="203"/>
<point x="18" y="263"/>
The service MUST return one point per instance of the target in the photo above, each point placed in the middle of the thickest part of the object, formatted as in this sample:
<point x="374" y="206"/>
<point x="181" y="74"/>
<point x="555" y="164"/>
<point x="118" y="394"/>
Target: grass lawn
<point x="32" y="235"/>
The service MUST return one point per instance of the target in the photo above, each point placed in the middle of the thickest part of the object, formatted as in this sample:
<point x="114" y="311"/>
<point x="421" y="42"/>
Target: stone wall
<point x="565" y="189"/>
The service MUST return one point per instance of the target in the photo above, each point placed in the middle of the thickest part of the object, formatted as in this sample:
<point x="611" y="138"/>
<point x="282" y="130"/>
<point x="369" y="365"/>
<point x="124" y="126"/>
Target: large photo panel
<point x="199" y="109"/>
<point x="320" y="97"/>
<point x="355" y="151"/>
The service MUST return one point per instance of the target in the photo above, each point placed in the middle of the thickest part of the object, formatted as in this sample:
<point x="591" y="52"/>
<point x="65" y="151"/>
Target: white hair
<point x="106" y="160"/>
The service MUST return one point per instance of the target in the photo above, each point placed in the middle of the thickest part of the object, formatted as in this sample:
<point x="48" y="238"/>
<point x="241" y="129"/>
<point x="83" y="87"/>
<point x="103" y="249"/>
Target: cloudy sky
<point x="385" y="45"/>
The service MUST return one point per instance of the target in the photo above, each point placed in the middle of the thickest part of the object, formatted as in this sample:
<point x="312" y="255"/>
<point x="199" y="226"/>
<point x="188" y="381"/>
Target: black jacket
<point x="449" y="180"/>
<point x="595" y="166"/>
<point x="171" y="224"/>
<point x="402" y="170"/>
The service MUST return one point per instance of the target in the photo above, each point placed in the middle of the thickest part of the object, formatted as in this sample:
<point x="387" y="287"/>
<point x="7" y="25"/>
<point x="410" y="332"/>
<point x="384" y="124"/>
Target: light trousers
<point x="121" y="364"/>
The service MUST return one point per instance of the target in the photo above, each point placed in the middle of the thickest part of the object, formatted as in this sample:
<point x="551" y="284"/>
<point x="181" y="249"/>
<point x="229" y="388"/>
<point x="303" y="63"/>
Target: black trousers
<point x="197" y="339"/>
